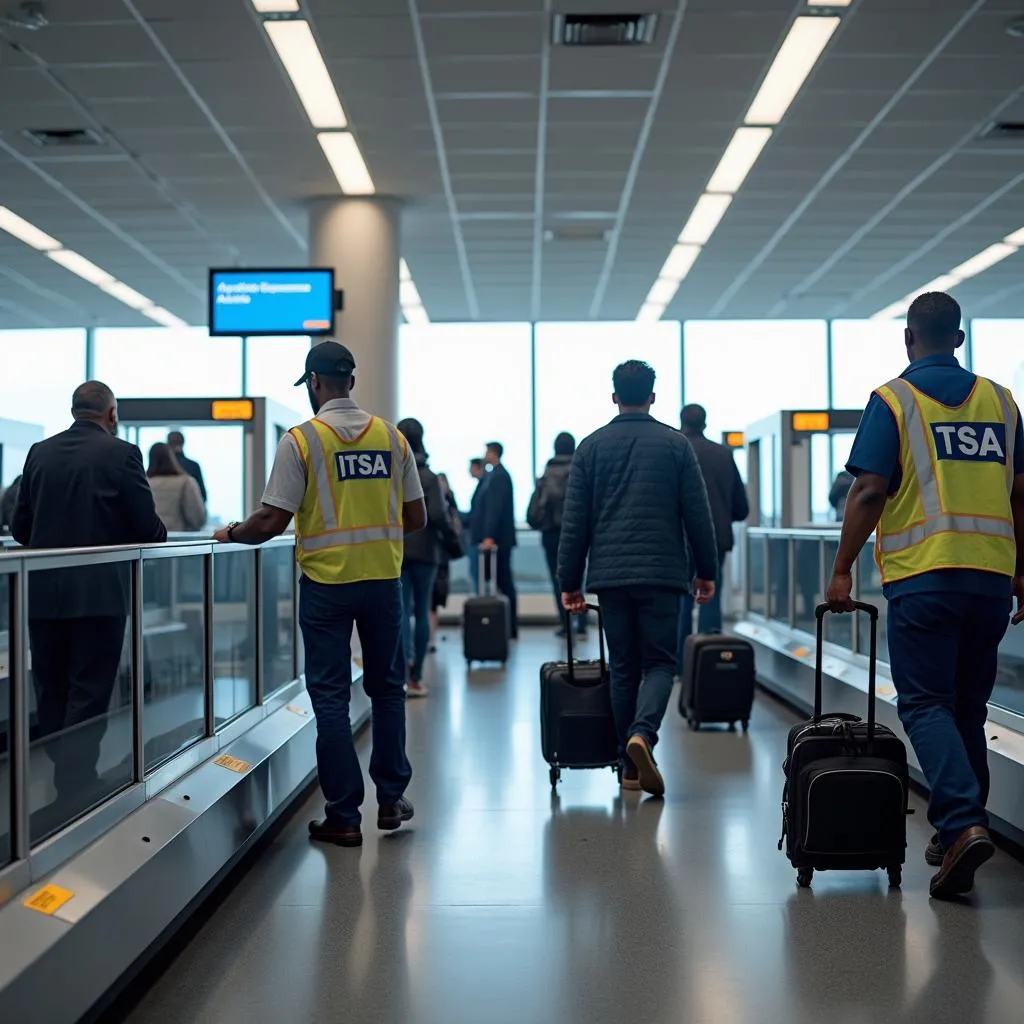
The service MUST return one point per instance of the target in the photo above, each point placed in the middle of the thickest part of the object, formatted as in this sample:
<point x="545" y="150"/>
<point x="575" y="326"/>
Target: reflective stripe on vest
<point x="317" y="464"/>
<point x="922" y="528"/>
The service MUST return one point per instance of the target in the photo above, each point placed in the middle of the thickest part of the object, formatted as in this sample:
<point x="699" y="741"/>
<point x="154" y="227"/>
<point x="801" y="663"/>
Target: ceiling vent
<point x="1004" y="131"/>
<point x="578" y="233"/>
<point x="604" y="29"/>
<point x="64" y="137"/>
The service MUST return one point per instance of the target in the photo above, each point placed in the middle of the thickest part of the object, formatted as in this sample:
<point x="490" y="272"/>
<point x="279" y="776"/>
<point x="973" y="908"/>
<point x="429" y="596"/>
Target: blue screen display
<point x="246" y="302"/>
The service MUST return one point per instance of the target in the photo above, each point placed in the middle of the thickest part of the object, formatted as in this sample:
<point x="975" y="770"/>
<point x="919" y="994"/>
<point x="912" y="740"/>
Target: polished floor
<point x="500" y="905"/>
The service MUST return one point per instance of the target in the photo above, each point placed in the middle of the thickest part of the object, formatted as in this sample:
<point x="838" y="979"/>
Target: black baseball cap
<point x="328" y="357"/>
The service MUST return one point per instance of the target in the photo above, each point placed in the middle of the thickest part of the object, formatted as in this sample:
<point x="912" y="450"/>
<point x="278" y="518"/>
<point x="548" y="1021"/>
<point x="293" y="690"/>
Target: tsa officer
<point x="939" y="468"/>
<point x="349" y="478"/>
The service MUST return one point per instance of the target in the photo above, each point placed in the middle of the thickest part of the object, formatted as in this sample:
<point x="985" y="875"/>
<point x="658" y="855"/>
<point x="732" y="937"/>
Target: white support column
<point x="359" y="237"/>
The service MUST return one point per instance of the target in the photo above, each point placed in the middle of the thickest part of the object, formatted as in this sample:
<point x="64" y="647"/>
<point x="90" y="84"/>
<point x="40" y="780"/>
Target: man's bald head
<point x="94" y="402"/>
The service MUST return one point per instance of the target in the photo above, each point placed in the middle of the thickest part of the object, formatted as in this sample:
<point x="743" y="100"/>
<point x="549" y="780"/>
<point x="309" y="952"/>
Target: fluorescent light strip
<point x="983" y="261"/>
<point x="710" y="209"/>
<point x="680" y="261"/>
<point x="650" y="312"/>
<point x="1017" y="239"/>
<point x="404" y="273"/>
<point x="347" y="162"/>
<point x="738" y="159"/>
<point x="415" y="315"/>
<point x="893" y="312"/>
<point x="829" y="3"/>
<point x="85" y="269"/>
<point x="795" y="60"/>
<point x="26" y="232"/>
<point x="276" y="6"/>
<point x="305" y="66"/>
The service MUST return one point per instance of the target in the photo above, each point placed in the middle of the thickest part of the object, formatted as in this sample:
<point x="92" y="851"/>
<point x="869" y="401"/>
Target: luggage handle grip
<point x="600" y="640"/>
<point x="872" y="612"/>
<point x="485" y="563"/>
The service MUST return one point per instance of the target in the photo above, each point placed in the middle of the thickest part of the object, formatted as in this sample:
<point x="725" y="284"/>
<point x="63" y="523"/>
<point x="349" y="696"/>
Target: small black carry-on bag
<point x="577" y="729"/>
<point x="844" y="805"/>
<point x="485" y="621"/>
<point x="718" y="680"/>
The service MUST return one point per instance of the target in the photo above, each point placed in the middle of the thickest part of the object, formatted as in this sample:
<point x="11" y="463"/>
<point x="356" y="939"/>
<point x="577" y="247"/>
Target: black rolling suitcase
<point x="577" y="729"/>
<point x="485" y="622"/>
<point x="718" y="680"/>
<point x="844" y="805"/>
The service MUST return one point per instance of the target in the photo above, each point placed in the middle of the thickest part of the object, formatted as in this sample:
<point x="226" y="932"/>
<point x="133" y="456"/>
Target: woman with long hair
<point x="420" y="563"/>
<point x="178" y="501"/>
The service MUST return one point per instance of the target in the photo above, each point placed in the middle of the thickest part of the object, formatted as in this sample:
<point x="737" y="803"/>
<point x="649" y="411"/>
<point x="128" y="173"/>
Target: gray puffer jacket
<point x="637" y="505"/>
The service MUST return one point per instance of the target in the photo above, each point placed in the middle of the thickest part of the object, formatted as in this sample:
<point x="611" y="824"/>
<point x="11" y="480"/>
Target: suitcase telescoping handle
<point x="600" y="641"/>
<point x="485" y="559"/>
<point x="872" y="612"/>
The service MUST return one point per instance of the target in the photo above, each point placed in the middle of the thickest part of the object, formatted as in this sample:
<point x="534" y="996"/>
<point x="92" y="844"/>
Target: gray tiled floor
<point x="501" y="907"/>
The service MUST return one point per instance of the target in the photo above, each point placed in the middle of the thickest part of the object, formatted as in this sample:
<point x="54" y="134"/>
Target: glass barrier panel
<point x="278" y="617"/>
<point x="757" y="547"/>
<point x="6" y="795"/>
<point x="807" y="572"/>
<point x="80" y="691"/>
<point x="838" y="628"/>
<point x="529" y="568"/>
<point x="173" y="656"/>
<point x="234" y="634"/>
<point x="778" y="566"/>
<point x="870" y="582"/>
<point x="1009" y="688"/>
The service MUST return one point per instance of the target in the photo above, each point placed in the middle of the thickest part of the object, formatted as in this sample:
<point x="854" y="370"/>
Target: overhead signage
<point x="810" y="422"/>
<point x="272" y="302"/>
<point x="231" y="409"/>
<point x="734" y="439"/>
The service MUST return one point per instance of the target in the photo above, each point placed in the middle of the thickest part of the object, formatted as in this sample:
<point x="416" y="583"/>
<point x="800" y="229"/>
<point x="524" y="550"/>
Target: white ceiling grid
<point x="541" y="181"/>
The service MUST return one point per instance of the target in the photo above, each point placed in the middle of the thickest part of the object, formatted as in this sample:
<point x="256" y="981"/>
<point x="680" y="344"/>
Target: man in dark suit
<point x="728" y="499"/>
<point x="176" y="441"/>
<point x="81" y="488"/>
<point x="498" y="526"/>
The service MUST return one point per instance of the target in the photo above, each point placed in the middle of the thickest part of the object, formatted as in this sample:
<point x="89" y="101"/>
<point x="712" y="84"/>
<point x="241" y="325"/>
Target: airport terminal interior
<point x="492" y="203"/>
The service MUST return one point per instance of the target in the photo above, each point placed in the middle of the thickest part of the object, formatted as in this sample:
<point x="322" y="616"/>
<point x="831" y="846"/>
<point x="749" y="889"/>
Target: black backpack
<point x="548" y="501"/>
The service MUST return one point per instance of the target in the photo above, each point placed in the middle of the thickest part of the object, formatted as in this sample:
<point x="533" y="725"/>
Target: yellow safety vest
<point x="952" y="510"/>
<point x="349" y="526"/>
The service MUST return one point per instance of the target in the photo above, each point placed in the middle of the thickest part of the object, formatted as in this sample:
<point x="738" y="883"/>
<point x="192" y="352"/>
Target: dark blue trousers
<point x="942" y="651"/>
<point x="327" y="614"/>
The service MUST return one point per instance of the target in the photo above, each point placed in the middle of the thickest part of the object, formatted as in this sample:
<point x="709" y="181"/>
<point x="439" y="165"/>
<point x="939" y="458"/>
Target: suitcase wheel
<point x="693" y="723"/>
<point x="746" y="724"/>
<point x="555" y="775"/>
<point x="895" y="876"/>
<point x="804" y="877"/>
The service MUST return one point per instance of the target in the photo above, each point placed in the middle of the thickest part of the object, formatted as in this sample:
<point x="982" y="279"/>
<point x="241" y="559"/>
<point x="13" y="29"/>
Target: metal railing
<point x="123" y="668"/>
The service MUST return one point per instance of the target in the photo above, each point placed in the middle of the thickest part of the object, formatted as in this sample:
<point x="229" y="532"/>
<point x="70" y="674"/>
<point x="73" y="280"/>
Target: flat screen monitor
<point x="283" y="301"/>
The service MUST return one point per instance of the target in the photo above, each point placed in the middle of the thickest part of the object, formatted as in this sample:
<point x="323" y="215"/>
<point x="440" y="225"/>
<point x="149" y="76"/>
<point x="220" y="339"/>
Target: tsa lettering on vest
<point x="970" y="442"/>
<point x="363" y="465"/>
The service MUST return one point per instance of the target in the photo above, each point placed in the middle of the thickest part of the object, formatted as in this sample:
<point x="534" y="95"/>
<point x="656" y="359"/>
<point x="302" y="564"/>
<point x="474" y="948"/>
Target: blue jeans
<point x="641" y="624"/>
<point x="326" y="617"/>
<point x="417" y="588"/>
<point x="709" y="616"/>
<point x="942" y="652"/>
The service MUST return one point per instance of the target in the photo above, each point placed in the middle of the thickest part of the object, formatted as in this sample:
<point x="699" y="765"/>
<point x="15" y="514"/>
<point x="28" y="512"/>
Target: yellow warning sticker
<point x="296" y="710"/>
<point x="49" y="899"/>
<point x="233" y="764"/>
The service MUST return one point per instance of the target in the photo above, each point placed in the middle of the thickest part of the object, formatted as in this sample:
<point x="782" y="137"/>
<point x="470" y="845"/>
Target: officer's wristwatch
<point x="231" y="530"/>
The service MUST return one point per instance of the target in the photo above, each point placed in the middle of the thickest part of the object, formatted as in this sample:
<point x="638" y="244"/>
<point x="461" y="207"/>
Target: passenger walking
<point x="351" y="482"/>
<point x="636" y="505"/>
<point x="420" y="562"/>
<point x="176" y="440"/>
<point x="728" y="499"/>
<point x="939" y="468"/>
<point x="178" y="501"/>
<point x="81" y="488"/>
<point x="498" y="528"/>
<point x="454" y="550"/>
<point x="545" y="515"/>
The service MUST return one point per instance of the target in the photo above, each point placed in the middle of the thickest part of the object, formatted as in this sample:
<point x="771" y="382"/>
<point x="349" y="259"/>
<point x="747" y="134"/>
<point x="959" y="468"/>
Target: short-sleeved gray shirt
<point x="287" y="484"/>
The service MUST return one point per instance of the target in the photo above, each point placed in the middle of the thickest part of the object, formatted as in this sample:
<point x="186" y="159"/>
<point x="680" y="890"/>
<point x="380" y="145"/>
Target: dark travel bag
<point x="718" y="680"/>
<point x="844" y="805"/>
<point x="577" y="729"/>
<point x="485" y="621"/>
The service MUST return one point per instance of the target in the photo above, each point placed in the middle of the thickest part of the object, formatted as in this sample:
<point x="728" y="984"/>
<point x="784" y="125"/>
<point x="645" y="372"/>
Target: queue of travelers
<point x="639" y="513"/>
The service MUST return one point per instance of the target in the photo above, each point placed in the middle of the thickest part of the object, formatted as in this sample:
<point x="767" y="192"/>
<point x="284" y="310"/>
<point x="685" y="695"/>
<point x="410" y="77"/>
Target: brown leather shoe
<point x="956" y="876"/>
<point x="325" y="831"/>
<point x="391" y="816"/>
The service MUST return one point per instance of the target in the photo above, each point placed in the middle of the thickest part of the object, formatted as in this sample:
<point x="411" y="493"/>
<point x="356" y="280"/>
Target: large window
<point x="186" y="363"/>
<point x="469" y="384"/>
<point x="574" y="364"/>
<point x="39" y="369"/>
<point x="865" y="354"/>
<point x="273" y="365"/>
<point x="997" y="351"/>
<point x="742" y="371"/>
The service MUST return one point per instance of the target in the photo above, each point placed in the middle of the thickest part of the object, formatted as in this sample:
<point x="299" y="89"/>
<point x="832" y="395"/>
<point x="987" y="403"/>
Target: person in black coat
<point x="498" y="527"/>
<point x="637" y="508"/>
<point x="176" y="440"/>
<point x="81" y="488"/>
